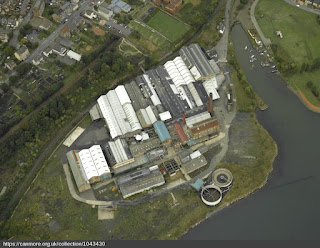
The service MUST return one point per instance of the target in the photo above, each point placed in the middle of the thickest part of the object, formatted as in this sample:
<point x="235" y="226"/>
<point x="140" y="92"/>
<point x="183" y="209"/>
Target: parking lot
<point x="120" y="28"/>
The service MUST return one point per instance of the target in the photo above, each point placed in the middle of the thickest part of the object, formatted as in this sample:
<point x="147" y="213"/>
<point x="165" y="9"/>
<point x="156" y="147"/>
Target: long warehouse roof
<point x="161" y="130"/>
<point x="118" y="112"/>
<point x="122" y="95"/>
<point x="109" y="116"/>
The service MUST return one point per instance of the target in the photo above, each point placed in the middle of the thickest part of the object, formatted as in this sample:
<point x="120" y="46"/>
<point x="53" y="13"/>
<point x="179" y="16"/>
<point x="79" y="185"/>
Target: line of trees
<point x="313" y="89"/>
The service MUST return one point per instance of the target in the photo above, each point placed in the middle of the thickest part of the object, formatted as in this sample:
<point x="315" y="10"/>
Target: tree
<point x="13" y="79"/>
<point x="4" y="87"/>
<point x="23" y="68"/>
<point x="8" y="51"/>
<point x="309" y="84"/>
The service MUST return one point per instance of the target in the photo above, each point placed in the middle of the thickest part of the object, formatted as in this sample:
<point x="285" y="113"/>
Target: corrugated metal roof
<point x="161" y="130"/>
<point x="165" y="116"/>
<point x="122" y="95"/>
<point x="190" y="121"/>
<point x="195" y="94"/>
<point x="99" y="160"/>
<point x="151" y="115"/>
<point x="180" y="132"/>
<point x="109" y="116"/>
<point x="118" y="112"/>
<point x="195" y="154"/>
<point x="132" y="117"/>
<point x="154" y="97"/>
<point x="88" y="164"/>
<point x="79" y="177"/>
<point x="210" y="87"/>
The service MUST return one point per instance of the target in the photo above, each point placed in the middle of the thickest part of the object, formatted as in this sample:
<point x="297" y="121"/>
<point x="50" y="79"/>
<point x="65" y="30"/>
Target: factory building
<point x="197" y="62"/>
<point x="88" y="166"/>
<point x="182" y="136"/>
<point x="141" y="180"/>
<point x="94" y="164"/>
<point x="81" y="181"/>
<point x="109" y="117"/>
<point x="162" y="132"/>
<point x="117" y="152"/>
<point x="116" y="109"/>
<point x="191" y="161"/>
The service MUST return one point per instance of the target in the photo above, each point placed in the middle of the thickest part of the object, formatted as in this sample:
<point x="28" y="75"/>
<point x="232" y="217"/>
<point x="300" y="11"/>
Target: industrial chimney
<point x="210" y="105"/>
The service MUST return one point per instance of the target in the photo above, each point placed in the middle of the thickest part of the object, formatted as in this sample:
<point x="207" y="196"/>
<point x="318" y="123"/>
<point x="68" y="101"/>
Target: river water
<point x="288" y="206"/>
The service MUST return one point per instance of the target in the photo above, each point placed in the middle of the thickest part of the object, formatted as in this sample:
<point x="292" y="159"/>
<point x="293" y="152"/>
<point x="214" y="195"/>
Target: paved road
<point x="222" y="46"/>
<point x="47" y="42"/>
<point x="303" y="7"/>
<point x="266" y="41"/>
<point x="14" y="40"/>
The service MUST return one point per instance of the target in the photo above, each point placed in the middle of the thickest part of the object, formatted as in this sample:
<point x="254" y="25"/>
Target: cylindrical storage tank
<point x="138" y="137"/>
<point x="222" y="177"/>
<point x="211" y="195"/>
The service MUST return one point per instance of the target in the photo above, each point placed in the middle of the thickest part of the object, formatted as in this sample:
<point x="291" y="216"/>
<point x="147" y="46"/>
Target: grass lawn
<point x="151" y="36"/>
<point x="301" y="36"/>
<point x="168" y="26"/>
<point x="300" y="29"/>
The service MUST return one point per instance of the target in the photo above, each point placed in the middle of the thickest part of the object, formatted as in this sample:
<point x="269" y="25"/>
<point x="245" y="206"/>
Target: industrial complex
<point x="153" y="123"/>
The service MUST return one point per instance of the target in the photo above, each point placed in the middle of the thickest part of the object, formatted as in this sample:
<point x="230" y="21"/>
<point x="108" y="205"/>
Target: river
<point x="287" y="207"/>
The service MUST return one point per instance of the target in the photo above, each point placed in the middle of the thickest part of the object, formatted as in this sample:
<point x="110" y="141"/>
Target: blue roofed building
<point x="162" y="132"/>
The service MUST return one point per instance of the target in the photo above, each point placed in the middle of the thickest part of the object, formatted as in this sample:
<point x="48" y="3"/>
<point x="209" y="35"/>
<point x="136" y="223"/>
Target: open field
<point x="153" y="37"/>
<point x="168" y="26"/>
<point x="301" y="35"/>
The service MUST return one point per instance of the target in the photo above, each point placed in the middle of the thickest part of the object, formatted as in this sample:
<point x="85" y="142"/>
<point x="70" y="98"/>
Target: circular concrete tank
<point x="222" y="177"/>
<point x="211" y="195"/>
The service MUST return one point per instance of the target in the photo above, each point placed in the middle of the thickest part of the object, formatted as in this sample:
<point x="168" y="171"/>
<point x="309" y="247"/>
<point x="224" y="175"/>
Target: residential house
<point x="12" y="22"/>
<point x="65" y="42"/>
<point x="58" y="49"/>
<point x="11" y="65"/>
<point x="65" y="32"/>
<point x="22" y="53"/>
<point x="38" y="8"/>
<point x="90" y="14"/>
<point x="47" y="51"/>
<point x="173" y="6"/>
<point x="104" y="12"/>
<point x="4" y="37"/>
<point x="37" y="60"/>
<point x="41" y="22"/>
<point x="118" y="5"/>
<point x="64" y="10"/>
<point x="4" y="21"/>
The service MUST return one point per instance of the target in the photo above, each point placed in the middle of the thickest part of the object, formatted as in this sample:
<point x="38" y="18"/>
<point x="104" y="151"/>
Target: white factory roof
<point x="109" y="116"/>
<point x="212" y="81"/>
<point x="174" y="89"/>
<point x="151" y="115"/>
<point x="174" y="73"/>
<point x="88" y="164"/>
<point x="195" y="73"/>
<point x="210" y="87"/>
<point x="99" y="160"/>
<point x="118" y="112"/>
<point x="183" y="69"/>
<point x="154" y="98"/>
<point x="73" y="55"/>
<point x="146" y="116"/>
<point x="132" y="117"/>
<point x="165" y="116"/>
<point x="145" y="136"/>
<point x="122" y="95"/>
<point x="197" y="118"/>
<point x="195" y="94"/>
<point x="195" y="154"/>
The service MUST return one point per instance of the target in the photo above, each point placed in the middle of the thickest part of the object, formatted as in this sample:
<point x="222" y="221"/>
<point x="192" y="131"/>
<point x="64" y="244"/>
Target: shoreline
<point x="228" y="204"/>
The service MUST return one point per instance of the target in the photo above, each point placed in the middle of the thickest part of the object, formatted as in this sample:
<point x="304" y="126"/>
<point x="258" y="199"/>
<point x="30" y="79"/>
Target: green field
<point x="168" y="26"/>
<point x="301" y="38"/>
<point x="300" y="29"/>
<point x="148" y="34"/>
